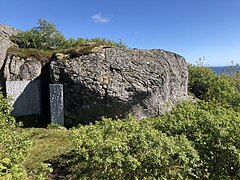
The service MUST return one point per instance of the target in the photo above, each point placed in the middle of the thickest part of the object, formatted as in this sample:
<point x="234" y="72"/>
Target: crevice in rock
<point x="112" y="69"/>
<point x="45" y="95"/>
<point x="2" y="77"/>
<point x="105" y="99"/>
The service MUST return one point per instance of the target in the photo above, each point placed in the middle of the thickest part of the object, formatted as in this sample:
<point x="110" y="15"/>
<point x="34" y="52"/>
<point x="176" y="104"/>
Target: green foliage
<point x="132" y="149"/>
<point x="200" y="80"/>
<point x="39" y="55"/>
<point x="70" y="43"/>
<point x="45" y="36"/>
<point x="108" y="42"/>
<point x="221" y="89"/>
<point x="214" y="131"/>
<point x="55" y="126"/>
<point x="212" y="125"/>
<point x="13" y="144"/>
<point x="41" y="173"/>
<point x="233" y="75"/>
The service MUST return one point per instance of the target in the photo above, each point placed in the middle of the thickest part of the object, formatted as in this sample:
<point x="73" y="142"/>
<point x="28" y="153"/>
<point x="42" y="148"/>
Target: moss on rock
<point x="40" y="55"/>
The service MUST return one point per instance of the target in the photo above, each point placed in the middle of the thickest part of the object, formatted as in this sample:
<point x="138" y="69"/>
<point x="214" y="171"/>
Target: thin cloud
<point x="99" y="18"/>
<point x="136" y="32"/>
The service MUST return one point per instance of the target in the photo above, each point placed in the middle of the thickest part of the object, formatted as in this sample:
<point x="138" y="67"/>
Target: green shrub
<point x="214" y="132"/>
<point x="13" y="144"/>
<point x="44" y="36"/>
<point x="200" y="80"/>
<point x="221" y="89"/>
<point x="132" y="149"/>
<point x="100" y="41"/>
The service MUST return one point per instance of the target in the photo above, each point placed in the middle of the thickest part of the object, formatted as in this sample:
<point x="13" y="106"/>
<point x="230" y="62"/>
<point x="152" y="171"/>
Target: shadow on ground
<point x="35" y="121"/>
<point x="62" y="166"/>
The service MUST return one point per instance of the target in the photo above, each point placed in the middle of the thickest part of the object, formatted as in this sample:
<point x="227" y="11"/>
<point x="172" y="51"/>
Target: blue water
<point x="223" y="69"/>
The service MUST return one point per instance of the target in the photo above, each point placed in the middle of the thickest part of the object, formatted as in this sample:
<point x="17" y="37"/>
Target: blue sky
<point x="191" y="28"/>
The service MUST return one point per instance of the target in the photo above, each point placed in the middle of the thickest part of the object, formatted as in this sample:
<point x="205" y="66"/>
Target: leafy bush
<point x="194" y="141"/>
<point x="101" y="41"/>
<point x="45" y="36"/>
<point x="221" y="89"/>
<point x="13" y="144"/>
<point x="40" y="173"/>
<point x="214" y="132"/>
<point x="132" y="149"/>
<point x="200" y="80"/>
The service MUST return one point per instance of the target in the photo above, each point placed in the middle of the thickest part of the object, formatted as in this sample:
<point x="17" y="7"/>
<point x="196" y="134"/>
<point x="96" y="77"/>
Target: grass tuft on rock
<point x="39" y="55"/>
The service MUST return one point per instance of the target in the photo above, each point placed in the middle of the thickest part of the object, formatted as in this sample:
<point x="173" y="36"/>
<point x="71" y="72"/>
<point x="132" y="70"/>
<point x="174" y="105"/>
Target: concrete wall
<point x="26" y="97"/>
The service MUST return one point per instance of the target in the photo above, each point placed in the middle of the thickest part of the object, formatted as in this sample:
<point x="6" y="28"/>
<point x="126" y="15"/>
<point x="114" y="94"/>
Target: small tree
<point x="44" y="36"/>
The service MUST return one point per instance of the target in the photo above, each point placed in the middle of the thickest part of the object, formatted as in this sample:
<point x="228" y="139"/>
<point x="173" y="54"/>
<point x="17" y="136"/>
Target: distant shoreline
<point x="224" y="69"/>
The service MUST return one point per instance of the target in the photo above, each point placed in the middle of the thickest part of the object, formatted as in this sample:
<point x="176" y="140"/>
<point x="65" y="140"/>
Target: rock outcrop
<point x="101" y="81"/>
<point x="5" y="42"/>
<point x="115" y="82"/>
<point x="17" y="68"/>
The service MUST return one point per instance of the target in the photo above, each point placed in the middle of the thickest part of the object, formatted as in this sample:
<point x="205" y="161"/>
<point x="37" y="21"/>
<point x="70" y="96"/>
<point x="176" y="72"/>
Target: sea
<point x="224" y="69"/>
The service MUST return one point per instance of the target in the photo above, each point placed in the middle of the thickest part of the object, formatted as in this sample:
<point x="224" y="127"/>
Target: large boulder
<point x="114" y="82"/>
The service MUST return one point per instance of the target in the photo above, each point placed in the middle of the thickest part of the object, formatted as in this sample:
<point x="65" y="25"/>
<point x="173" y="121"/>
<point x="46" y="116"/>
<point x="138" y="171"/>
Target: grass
<point x="39" y="55"/>
<point x="49" y="144"/>
<point x="46" y="55"/>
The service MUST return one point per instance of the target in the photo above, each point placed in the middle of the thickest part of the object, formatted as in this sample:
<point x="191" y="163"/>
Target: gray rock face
<point x="5" y="43"/>
<point x="115" y="82"/>
<point x="17" y="68"/>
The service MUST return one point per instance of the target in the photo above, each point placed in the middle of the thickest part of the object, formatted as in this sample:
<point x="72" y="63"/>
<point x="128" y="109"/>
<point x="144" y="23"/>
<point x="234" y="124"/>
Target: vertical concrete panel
<point x="26" y="97"/>
<point x="56" y="103"/>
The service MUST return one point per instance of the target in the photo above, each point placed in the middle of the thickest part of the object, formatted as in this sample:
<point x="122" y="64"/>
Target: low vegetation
<point x="13" y="144"/>
<point x="45" y="41"/>
<point x="214" y="133"/>
<point x="35" y="54"/>
<point x="220" y="89"/>
<point x="49" y="143"/>
<point x="130" y="149"/>
<point x="45" y="36"/>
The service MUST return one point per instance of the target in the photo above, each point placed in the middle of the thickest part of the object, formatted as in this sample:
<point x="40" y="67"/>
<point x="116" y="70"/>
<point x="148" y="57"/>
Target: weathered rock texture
<point x="115" y="82"/>
<point x="5" y="42"/>
<point x="17" y="68"/>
